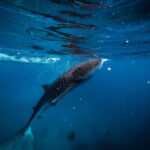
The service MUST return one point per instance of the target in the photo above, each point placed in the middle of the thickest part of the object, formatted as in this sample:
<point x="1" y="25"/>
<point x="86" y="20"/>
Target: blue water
<point x="108" y="112"/>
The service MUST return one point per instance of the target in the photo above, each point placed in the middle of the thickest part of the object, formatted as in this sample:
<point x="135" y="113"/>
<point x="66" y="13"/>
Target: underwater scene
<point x="74" y="75"/>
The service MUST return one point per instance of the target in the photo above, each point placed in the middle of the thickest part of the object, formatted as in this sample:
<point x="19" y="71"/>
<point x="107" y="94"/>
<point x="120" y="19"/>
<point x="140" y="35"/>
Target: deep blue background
<point x="116" y="101"/>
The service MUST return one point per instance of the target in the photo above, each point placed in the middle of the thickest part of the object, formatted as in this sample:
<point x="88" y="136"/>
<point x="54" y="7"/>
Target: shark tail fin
<point x="20" y="141"/>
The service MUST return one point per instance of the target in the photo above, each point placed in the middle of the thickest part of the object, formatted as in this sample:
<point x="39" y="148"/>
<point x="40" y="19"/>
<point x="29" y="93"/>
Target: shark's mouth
<point x="103" y="60"/>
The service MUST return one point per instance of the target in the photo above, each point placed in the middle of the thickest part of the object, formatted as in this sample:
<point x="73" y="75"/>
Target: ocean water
<point x="40" y="39"/>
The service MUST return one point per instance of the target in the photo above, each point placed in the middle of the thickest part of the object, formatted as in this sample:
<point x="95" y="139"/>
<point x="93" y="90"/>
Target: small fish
<point x="70" y="136"/>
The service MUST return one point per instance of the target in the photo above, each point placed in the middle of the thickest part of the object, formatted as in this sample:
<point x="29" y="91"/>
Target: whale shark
<point x="60" y="87"/>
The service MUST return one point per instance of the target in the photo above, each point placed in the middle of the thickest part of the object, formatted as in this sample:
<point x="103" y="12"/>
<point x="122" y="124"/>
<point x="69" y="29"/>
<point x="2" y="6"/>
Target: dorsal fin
<point x="45" y="86"/>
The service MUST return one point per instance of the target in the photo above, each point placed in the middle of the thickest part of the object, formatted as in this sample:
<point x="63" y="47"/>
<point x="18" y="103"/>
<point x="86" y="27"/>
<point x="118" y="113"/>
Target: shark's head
<point x="83" y="70"/>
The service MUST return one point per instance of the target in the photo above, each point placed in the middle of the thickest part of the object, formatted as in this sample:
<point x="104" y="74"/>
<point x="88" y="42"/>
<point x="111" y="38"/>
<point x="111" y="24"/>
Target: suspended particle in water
<point x="148" y="82"/>
<point x="109" y="69"/>
<point x="113" y="14"/>
<point x="127" y="41"/>
<point x="80" y="99"/>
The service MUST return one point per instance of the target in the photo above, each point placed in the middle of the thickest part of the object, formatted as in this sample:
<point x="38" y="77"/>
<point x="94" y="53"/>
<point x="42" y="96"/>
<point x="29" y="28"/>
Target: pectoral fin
<point x="45" y="86"/>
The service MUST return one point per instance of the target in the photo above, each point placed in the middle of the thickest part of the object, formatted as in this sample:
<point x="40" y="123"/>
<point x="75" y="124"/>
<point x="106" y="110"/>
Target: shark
<point x="62" y="85"/>
<point x="52" y="94"/>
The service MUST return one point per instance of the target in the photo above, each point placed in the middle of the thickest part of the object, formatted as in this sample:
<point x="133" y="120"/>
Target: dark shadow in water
<point x="107" y="146"/>
<point x="140" y="135"/>
<point x="81" y="146"/>
<point x="96" y="146"/>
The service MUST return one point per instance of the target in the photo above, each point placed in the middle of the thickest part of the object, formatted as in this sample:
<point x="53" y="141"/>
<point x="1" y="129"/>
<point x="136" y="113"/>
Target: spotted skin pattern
<point x="51" y="95"/>
<point x="63" y="85"/>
